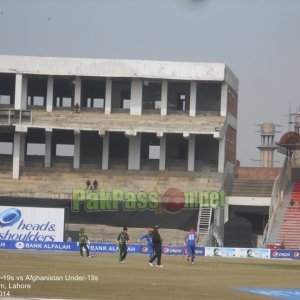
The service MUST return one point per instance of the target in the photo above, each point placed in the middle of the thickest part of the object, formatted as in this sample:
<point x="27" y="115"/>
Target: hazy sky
<point x="258" y="39"/>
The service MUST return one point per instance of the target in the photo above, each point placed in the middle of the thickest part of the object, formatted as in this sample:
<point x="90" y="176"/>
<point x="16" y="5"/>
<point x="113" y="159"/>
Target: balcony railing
<point x="15" y="116"/>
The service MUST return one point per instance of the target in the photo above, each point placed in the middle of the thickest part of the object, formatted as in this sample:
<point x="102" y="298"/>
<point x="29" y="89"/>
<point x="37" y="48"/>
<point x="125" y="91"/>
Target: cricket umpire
<point x="157" y="243"/>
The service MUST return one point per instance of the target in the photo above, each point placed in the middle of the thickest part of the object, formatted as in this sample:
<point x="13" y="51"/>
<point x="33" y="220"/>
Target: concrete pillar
<point x="108" y="92"/>
<point x="164" y="98"/>
<point x="18" y="153"/>
<point x="48" y="148"/>
<point x="105" y="151"/>
<point x="191" y="153"/>
<point x="224" y="94"/>
<point x="22" y="150"/>
<point x="218" y="216"/>
<point x="221" y="158"/>
<point x="138" y="151"/>
<point x="193" y="99"/>
<point x="76" y="160"/>
<point x="136" y="97"/>
<point x="49" y="100"/>
<point x="226" y="211"/>
<point x="20" y="92"/>
<point x="162" y="154"/>
<point x="134" y="155"/>
<point x="77" y="97"/>
<point x="24" y="93"/>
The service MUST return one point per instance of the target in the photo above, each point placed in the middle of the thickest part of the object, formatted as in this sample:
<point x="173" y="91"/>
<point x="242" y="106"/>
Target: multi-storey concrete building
<point x="140" y="126"/>
<point x="118" y="114"/>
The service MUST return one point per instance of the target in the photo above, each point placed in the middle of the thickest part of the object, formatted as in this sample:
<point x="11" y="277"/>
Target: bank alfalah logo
<point x="20" y="245"/>
<point x="9" y="217"/>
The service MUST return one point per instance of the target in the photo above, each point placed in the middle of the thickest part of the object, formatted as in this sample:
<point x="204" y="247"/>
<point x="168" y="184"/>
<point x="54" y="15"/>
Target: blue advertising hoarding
<point x="287" y="254"/>
<point x="143" y="249"/>
<point x="172" y="250"/>
<point x="94" y="247"/>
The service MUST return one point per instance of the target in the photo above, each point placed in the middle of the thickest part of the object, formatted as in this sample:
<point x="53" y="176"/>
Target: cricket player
<point x="148" y="237"/>
<point x="157" y="243"/>
<point x="83" y="242"/>
<point x="191" y="240"/>
<point x="122" y="240"/>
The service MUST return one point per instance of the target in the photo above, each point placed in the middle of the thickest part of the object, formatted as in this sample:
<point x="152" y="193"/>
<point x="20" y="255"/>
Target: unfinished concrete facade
<point x="117" y="114"/>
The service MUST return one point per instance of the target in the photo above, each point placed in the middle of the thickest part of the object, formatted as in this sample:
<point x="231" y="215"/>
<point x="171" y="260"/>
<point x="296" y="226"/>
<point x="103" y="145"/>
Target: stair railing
<point x="212" y="237"/>
<point x="278" y="193"/>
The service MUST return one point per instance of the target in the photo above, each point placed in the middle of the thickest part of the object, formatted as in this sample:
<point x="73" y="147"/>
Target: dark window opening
<point x="178" y="97"/>
<point x="36" y="92"/>
<point x="120" y="98"/>
<point x="151" y="96"/>
<point x="7" y="89"/>
<point x="176" y="152"/>
<point x="93" y="93"/>
<point x="208" y="100"/>
<point x="118" y="150"/>
<point x="64" y="92"/>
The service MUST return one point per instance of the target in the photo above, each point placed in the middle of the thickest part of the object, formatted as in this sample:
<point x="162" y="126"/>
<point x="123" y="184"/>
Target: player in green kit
<point x="122" y="240"/>
<point x="83" y="242"/>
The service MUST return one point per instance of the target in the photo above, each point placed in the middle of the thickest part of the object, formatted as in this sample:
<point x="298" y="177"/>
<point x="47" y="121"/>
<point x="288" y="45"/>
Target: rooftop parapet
<point x="119" y="68"/>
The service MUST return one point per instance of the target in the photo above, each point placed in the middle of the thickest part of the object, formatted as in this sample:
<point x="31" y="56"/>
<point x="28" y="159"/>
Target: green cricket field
<point x="65" y="275"/>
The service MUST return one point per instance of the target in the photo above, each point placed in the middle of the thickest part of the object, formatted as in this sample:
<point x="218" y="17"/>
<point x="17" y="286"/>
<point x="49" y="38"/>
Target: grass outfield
<point x="210" y="278"/>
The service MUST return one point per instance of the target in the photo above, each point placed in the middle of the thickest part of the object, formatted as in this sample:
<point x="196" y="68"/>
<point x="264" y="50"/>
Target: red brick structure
<point x="257" y="173"/>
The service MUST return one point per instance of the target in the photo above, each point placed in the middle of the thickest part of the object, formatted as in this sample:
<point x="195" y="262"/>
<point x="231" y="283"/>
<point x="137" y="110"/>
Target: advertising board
<point x="31" y="224"/>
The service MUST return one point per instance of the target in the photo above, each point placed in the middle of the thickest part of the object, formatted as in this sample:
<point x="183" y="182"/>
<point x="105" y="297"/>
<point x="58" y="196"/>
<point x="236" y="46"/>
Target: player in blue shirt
<point x="191" y="240"/>
<point x="148" y="237"/>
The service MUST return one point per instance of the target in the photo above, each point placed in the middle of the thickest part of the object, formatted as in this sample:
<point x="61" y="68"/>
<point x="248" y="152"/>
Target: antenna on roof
<point x="289" y="118"/>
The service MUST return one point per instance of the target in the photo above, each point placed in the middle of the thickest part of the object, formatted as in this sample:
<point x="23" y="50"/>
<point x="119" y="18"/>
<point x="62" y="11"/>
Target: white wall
<point x="118" y="68"/>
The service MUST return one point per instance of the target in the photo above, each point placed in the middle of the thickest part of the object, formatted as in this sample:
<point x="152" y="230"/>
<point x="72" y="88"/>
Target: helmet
<point x="192" y="229"/>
